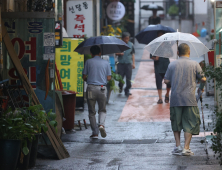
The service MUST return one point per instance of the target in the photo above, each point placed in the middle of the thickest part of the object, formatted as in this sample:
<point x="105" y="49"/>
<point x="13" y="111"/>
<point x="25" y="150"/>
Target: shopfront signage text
<point x="115" y="11"/>
<point x="79" y="19"/>
<point x="70" y="65"/>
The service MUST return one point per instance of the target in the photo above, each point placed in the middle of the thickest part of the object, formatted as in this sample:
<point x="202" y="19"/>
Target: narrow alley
<point x="139" y="134"/>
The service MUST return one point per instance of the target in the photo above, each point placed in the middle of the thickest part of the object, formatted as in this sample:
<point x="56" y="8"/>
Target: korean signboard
<point x="115" y="11"/>
<point x="70" y="65"/>
<point x="219" y="4"/>
<point x="33" y="48"/>
<point x="79" y="18"/>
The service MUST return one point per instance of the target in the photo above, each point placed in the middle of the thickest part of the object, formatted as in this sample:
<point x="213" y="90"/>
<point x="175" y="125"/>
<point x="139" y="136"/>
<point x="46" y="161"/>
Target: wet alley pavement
<point x="139" y="133"/>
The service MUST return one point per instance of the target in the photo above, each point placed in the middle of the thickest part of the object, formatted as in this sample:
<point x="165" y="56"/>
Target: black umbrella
<point x="150" y="33"/>
<point x="107" y="44"/>
<point x="152" y="7"/>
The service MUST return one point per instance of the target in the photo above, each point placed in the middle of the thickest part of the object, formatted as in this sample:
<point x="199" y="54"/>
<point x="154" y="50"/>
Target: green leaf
<point x="25" y="150"/>
<point x="17" y="119"/>
<point x="53" y="123"/>
<point x="52" y="115"/>
<point x="45" y="128"/>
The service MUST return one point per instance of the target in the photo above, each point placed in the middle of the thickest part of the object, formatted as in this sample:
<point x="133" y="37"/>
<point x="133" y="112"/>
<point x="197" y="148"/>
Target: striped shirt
<point x="183" y="74"/>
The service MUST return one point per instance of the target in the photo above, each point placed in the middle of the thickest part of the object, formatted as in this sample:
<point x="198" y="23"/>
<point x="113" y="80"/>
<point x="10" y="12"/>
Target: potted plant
<point x="14" y="133"/>
<point x="173" y="11"/>
<point x="37" y="117"/>
<point x="111" y="84"/>
<point x="113" y="31"/>
<point x="214" y="73"/>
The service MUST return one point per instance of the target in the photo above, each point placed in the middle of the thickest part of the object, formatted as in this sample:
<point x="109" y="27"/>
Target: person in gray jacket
<point x="182" y="74"/>
<point x="97" y="72"/>
<point x="126" y="64"/>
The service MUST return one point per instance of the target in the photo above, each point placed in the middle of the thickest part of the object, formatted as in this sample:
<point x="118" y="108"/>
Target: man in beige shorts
<point x="184" y="113"/>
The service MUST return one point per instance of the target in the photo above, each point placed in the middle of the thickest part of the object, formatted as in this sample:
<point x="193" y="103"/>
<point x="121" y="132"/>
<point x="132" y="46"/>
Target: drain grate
<point x="181" y="167"/>
<point x="136" y="141"/>
<point x="147" y="88"/>
<point x="105" y="141"/>
<point x="149" y="60"/>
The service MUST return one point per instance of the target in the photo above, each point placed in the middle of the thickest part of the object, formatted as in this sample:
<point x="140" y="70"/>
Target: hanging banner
<point x="79" y="18"/>
<point x="70" y="65"/>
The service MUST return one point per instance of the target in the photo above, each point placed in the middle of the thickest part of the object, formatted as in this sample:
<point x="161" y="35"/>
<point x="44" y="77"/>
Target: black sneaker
<point x="94" y="136"/>
<point x="120" y="90"/>
<point x="128" y="94"/>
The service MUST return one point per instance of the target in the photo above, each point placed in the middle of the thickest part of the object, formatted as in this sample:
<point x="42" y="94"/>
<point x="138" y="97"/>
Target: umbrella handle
<point x="177" y="48"/>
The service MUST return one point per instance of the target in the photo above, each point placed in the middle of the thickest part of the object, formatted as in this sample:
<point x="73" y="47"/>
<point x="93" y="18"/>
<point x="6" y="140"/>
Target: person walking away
<point x="160" y="67"/>
<point x="126" y="64"/>
<point x="184" y="113"/>
<point x="97" y="72"/>
<point x="154" y="20"/>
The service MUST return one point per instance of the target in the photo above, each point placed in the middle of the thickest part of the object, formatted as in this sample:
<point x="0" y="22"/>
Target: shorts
<point x="186" y="118"/>
<point x="159" y="80"/>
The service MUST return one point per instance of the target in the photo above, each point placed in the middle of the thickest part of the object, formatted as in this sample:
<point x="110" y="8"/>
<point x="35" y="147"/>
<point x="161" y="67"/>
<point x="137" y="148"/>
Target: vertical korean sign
<point x="70" y="65"/>
<point x="29" y="39"/>
<point x="79" y="18"/>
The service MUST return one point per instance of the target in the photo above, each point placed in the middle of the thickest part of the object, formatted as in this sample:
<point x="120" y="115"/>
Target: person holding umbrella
<point x="126" y="64"/>
<point x="153" y="20"/>
<point x="184" y="113"/>
<point x="182" y="75"/>
<point x="160" y="67"/>
<point x="96" y="73"/>
<point x="160" y="64"/>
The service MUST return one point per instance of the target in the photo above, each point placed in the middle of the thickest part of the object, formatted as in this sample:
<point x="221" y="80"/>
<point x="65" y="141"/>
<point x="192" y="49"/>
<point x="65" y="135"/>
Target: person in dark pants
<point x="97" y="73"/>
<point x="160" y="67"/>
<point x="126" y="64"/>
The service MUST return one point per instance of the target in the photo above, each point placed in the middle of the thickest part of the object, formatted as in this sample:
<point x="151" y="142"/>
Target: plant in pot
<point x="111" y="84"/>
<point x="14" y="133"/>
<point x="214" y="73"/>
<point x="37" y="117"/>
<point x="173" y="11"/>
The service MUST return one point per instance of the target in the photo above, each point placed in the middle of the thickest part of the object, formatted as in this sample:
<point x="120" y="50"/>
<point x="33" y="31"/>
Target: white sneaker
<point x="187" y="152"/>
<point x="102" y="131"/>
<point x="177" y="150"/>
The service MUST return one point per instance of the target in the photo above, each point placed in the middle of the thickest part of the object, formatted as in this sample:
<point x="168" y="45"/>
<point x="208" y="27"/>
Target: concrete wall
<point x="186" y="25"/>
<point x="204" y="13"/>
<point x="200" y="7"/>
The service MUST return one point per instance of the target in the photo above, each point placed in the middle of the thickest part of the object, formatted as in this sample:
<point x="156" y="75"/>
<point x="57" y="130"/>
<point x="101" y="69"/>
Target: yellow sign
<point x="70" y="65"/>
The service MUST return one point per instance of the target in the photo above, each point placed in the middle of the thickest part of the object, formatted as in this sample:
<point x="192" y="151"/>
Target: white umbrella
<point x="166" y="45"/>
